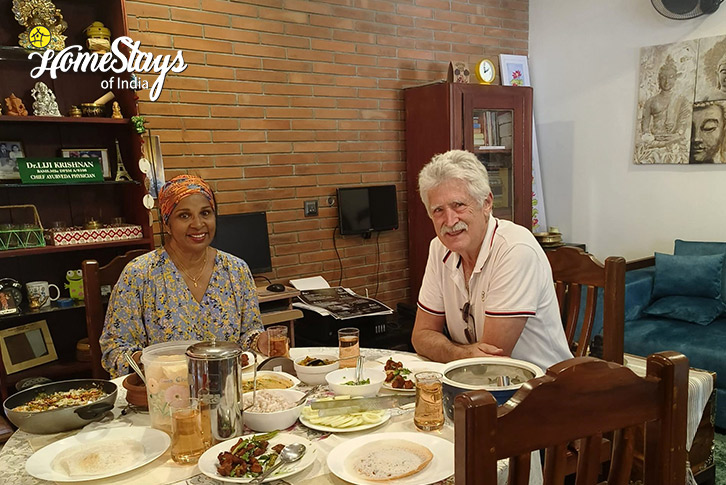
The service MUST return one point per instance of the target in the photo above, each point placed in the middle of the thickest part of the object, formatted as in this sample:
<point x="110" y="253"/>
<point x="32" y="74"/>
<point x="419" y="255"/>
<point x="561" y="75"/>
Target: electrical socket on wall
<point x="311" y="208"/>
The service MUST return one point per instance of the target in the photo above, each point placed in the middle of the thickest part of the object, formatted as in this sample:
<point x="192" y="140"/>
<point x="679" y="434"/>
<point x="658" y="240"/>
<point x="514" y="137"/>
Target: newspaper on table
<point x="341" y="303"/>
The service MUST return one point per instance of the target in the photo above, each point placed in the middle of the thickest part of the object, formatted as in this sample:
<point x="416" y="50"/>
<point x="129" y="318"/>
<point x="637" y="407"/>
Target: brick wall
<point x="285" y="100"/>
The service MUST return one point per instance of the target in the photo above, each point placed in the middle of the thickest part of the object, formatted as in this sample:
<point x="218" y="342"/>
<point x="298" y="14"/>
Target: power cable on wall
<point x="340" y="261"/>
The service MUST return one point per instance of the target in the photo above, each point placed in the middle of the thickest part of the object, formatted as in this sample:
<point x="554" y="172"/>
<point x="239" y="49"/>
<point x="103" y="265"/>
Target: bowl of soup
<point x="267" y="379"/>
<point x="489" y="373"/>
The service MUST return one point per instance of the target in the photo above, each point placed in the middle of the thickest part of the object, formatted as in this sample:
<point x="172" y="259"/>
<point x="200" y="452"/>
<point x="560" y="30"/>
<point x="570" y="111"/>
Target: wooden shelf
<point x="270" y="318"/>
<point x="69" y="184"/>
<point x="64" y="120"/>
<point x="11" y="253"/>
<point x="492" y="150"/>
<point x="42" y="311"/>
<point x="50" y="370"/>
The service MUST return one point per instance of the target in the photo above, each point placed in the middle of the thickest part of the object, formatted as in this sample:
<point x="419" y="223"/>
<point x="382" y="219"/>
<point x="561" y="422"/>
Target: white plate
<point x="440" y="468"/>
<point x="208" y="461"/>
<point x="155" y="444"/>
<point x="329" y="429"/>
<point x="415" y="367"/>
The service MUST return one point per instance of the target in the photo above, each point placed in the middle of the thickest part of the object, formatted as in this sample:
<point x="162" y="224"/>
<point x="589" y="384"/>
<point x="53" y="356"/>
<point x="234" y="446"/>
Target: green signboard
<point x="60" y="170"/>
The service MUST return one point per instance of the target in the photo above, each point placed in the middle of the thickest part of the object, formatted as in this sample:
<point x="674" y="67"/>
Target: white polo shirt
<point x="512" y="278"/>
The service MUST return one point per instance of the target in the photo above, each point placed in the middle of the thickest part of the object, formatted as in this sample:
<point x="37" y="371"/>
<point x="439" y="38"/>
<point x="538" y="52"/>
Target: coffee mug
<point x="40" y="291"/>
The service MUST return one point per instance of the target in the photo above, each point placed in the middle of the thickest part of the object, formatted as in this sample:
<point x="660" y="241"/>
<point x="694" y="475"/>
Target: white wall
<point x="584" y="67"/>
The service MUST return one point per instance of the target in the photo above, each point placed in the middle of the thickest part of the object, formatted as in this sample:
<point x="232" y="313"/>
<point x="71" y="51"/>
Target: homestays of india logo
<point x="73" y="59"/>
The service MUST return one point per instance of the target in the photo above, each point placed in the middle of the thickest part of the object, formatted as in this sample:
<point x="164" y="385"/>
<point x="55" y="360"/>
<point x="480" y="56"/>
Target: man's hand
<point x="481" y="349"/>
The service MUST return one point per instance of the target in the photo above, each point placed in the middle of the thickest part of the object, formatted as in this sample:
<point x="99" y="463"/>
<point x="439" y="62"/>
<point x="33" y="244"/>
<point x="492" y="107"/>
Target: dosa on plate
<point x="389" y="460"/>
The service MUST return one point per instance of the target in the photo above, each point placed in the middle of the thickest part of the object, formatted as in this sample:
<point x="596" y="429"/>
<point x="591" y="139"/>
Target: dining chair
<point x="95" y="277"/>
<point x="575" y="271"/>
<point x="578" y="399"/>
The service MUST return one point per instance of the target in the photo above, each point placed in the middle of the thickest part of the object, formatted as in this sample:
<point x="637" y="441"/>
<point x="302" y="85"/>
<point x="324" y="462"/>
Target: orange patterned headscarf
<point x="179" y="187"/>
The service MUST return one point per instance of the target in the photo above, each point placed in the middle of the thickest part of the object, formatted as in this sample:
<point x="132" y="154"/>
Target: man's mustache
<point x="459" y="226"/>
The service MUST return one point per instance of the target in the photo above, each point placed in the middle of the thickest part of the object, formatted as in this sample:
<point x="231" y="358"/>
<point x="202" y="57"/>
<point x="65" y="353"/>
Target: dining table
<point x="163" y="470"/>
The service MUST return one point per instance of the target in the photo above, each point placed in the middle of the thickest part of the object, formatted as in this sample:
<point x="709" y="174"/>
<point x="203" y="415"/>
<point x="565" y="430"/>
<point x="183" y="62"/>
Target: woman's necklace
<point x="201" y="272"/>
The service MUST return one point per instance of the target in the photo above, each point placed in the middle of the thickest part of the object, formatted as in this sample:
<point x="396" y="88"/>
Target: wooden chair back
<point x="575" y="271"/>
<point x="578" y="399"/>
<point x="94" y="277"/>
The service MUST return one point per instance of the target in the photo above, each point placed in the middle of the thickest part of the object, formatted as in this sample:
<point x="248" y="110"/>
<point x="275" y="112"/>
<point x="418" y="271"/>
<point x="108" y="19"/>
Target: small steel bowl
<point x="92" y="110"/>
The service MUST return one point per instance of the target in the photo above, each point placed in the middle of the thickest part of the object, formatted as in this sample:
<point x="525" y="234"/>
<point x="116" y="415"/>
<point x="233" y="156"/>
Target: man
<point x="707" y="133"/>
<point x="487" y="280"/>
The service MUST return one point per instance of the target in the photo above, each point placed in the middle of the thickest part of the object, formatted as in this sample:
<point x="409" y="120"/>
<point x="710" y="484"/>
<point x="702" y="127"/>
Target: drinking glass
<point x="348" y="346"/>
<point x="277" y="341"/>
<point x="429" y="412"/>
<point x="189" y="438"/>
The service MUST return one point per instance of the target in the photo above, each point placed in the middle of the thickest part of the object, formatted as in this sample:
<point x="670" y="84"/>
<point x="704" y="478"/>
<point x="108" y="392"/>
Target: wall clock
<point x="485" y="71"/>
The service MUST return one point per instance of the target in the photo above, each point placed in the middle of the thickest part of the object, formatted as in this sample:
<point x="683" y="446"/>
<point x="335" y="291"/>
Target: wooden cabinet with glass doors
<point x="493" y="122"/>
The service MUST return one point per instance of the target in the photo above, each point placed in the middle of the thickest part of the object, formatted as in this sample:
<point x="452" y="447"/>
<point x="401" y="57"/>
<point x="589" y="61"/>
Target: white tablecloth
<point x="165" y="471"/>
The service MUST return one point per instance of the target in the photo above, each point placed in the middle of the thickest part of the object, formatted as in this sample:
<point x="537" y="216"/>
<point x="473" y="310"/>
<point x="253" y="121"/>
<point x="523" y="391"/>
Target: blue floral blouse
<point x="151" y="303"/>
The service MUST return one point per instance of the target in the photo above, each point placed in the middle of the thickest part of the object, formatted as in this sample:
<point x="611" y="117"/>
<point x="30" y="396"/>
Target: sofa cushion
<point x="701" y="344"/>
<point x="687" y="308"/>
<point x="677" y="275"/>
<point x="699" y="248"/>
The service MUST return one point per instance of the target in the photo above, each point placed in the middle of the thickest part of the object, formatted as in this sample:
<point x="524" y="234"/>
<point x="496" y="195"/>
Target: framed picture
<point x="100" y="153"/>
<point x="514" y="70"/>
<point x="26" y="346"/>
<point x="8" y="305"/>
<point x="10" y="151"/>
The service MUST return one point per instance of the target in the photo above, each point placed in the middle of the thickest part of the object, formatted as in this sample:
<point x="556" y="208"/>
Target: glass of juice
<point x="188" y="437"/>
<point x="278" y="343"/>
<point x="348" y="346"/>
<point x="429" y="412"/>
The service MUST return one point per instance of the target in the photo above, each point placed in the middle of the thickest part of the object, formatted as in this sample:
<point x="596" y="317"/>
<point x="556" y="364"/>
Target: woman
<point x="186" y="290"/>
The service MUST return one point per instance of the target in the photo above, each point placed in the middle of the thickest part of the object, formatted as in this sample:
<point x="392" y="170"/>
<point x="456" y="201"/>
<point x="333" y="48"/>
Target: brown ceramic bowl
<point x="135" y="391"/>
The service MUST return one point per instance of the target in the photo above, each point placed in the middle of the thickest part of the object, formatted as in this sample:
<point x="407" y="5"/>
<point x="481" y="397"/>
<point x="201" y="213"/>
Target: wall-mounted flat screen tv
<point x="245" y="236"/>
<point x="363" y="210"/>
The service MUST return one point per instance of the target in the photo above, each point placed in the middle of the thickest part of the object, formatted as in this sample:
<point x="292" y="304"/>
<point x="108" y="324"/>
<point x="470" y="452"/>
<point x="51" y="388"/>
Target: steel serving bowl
<point x="61" y="419"/>
<point x="482" y="373"/>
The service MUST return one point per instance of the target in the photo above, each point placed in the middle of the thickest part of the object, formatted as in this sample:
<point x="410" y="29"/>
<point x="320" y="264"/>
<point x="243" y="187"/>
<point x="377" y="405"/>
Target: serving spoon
<point x="132" y="363"/>
<point x="289" y="454"/>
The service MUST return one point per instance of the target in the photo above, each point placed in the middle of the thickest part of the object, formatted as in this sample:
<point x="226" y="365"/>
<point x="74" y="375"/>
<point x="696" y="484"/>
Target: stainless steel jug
<point x="214" y="378"/>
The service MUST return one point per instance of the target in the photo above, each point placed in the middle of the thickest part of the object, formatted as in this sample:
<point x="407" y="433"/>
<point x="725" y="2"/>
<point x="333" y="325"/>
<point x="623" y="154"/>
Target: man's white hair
<point x="458" y="165"/>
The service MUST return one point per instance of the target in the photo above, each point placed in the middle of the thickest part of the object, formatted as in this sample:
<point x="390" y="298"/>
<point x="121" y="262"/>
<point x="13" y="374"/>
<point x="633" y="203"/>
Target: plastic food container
<point x="167" y="379"/>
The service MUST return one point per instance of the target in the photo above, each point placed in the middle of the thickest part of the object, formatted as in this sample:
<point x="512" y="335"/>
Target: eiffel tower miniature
<point x="121" y="173"/>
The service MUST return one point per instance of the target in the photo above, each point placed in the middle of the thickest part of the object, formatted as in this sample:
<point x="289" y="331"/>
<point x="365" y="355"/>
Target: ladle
<point x="289" y="454"/>
<point x="132" y="363"/>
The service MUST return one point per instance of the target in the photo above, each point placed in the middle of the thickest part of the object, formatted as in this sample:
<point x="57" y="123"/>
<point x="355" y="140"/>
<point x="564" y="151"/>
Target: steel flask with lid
<point x="214" y="369"/>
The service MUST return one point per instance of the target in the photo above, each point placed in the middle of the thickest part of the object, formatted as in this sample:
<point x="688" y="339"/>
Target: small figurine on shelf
<point x="458" y="73"/>
<point x="15" y="106"/>
<point x="45" y="103"/>
<point x="121" y="173"/>
<point x="99" y="38"/>
<point x="138" y="122"/>
<point x="116" y="111"/>
<point x="75" y="283"/>
<point x="43" y="22"/>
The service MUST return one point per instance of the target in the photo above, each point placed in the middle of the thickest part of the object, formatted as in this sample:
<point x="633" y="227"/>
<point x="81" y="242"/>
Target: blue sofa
<point x="691" y="274"/>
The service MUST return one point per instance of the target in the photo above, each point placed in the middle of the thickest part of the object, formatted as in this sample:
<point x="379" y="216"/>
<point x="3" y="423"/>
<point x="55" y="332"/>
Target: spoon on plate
<point x="289" y="454"/>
